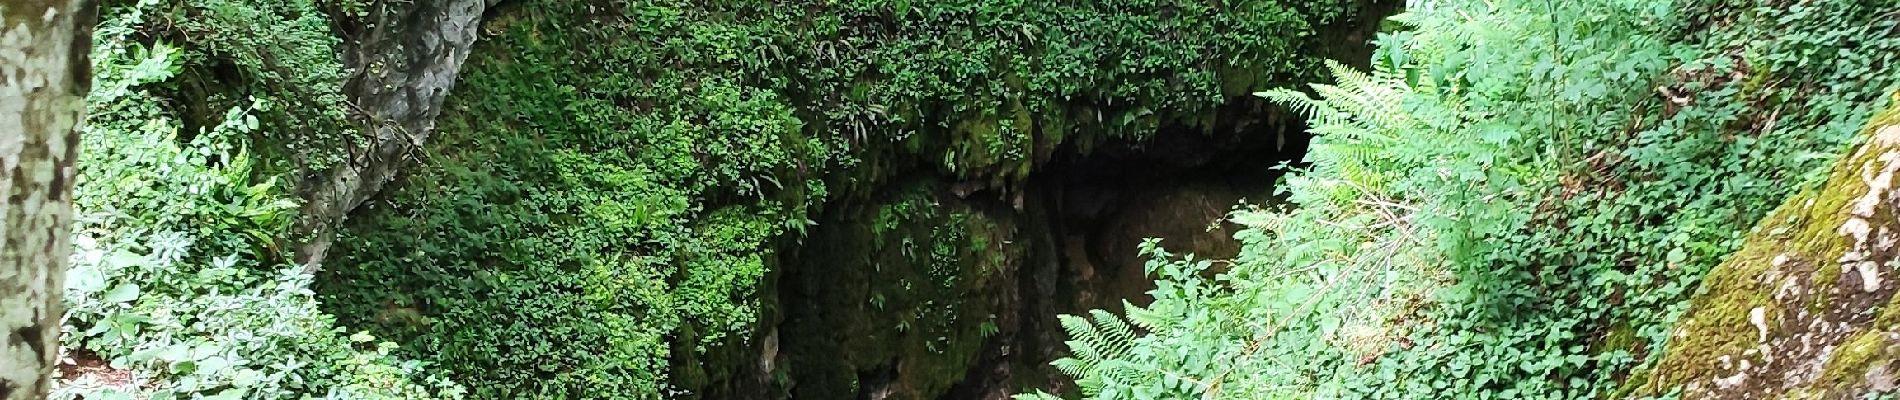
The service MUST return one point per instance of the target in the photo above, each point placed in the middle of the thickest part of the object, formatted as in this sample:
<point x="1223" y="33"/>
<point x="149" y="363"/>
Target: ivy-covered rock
<point x="615" y="175"/>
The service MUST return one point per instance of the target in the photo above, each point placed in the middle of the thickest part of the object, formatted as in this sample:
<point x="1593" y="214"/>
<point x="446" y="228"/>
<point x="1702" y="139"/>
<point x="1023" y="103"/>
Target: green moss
<point x="1889" y="318"/>
<point x="1719" y="322"/>
<point x="1804" y="233"/>
<point x="1823" y="217"/>
<point x="1622" y="337"/>
<point x="1851" y="360"/>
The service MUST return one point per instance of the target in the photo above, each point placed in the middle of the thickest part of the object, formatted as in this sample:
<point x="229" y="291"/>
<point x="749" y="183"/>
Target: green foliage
<point x="597" y="230"/>
<point x="177" y="275"/>
<point x="912" y="281"/>
<point x="612" y="188"/>
<point x="281" y="52"/>
<point x="1098" y="347"/>
<point x="1518" y="201"/>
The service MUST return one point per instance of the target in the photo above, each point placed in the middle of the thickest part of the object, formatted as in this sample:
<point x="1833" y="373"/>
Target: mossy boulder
<point x="1804" y="309"/>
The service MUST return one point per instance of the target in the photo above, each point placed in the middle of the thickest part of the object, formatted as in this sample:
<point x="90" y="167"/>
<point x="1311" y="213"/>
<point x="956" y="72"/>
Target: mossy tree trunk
<point x="1804" y="309"/>
<point x="44" y="76"/>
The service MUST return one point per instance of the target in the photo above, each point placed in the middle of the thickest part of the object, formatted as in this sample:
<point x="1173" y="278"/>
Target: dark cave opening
<point x="1178" y="186"/>
<point x="1097" y="207"/>
<point x="923" y="291"/>
<point x="838" y="321"/>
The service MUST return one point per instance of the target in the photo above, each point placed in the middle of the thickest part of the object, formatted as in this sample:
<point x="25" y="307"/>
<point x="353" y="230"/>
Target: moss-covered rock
<point x="1804" y="309"/>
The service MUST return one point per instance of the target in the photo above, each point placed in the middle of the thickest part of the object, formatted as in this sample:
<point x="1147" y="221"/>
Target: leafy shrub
<point x="610" y="191"/>
<point x="281" y="52"/>
<point x="177" y="275"/>
<point x="1516" y="203"/>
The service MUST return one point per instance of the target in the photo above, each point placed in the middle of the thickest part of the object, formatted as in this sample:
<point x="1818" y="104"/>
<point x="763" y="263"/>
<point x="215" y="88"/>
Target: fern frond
<point x="1294" y="99"/>
<point x="1036" y="395"/>
<point x="1148" y="318"/>
<point x="1071" y="366"/>
<point x="1085" y="341"/>
<point x="1117" y="337"/>
<point x="1347" y="76"/>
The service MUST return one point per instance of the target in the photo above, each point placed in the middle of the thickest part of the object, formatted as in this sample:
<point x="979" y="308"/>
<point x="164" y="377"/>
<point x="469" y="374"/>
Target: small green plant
<point x="178" y="277"/>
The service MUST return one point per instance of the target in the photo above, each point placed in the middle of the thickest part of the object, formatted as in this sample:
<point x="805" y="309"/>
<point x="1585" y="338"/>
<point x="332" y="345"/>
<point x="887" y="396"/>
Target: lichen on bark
<point x="44" y="77"/>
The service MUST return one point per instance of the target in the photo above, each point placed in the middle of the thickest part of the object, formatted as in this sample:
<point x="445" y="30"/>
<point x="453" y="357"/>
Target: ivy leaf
<point x="124" y="258"/>
<point x="247" y="377"/>
<point x="108" y="393"/>
<point x="228" y="394"/>
<point x="214" y="364"/>
<point x="125" y="292"/>
<point x="86" y="278"/>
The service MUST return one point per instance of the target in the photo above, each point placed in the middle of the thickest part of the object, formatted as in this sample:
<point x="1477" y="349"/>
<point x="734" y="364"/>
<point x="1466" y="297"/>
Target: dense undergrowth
<point x="179" y="284"/>
<point x="598" y="197"/>
<point x="1517" y="202"/>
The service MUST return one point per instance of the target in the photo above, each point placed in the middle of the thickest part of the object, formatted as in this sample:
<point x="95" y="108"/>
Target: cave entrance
<point x="925" y="291"/>
<point x="1178" y="186"/>
<point x="1091" y="210"/>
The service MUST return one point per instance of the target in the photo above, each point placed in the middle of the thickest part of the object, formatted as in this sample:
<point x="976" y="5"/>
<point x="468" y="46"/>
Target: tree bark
<point x="44" y="76"/>
<point x="405" y="66"/>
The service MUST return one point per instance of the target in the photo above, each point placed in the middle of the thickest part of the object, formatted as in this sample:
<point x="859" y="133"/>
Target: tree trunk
<point x="1805" y="308"/>
<point x="44" y="76"/>
<point x="405" y="66"/>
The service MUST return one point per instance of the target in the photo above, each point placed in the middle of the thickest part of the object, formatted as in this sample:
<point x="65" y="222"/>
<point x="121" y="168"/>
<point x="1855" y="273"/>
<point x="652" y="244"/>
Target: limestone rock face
<point x="403" y="68"/>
